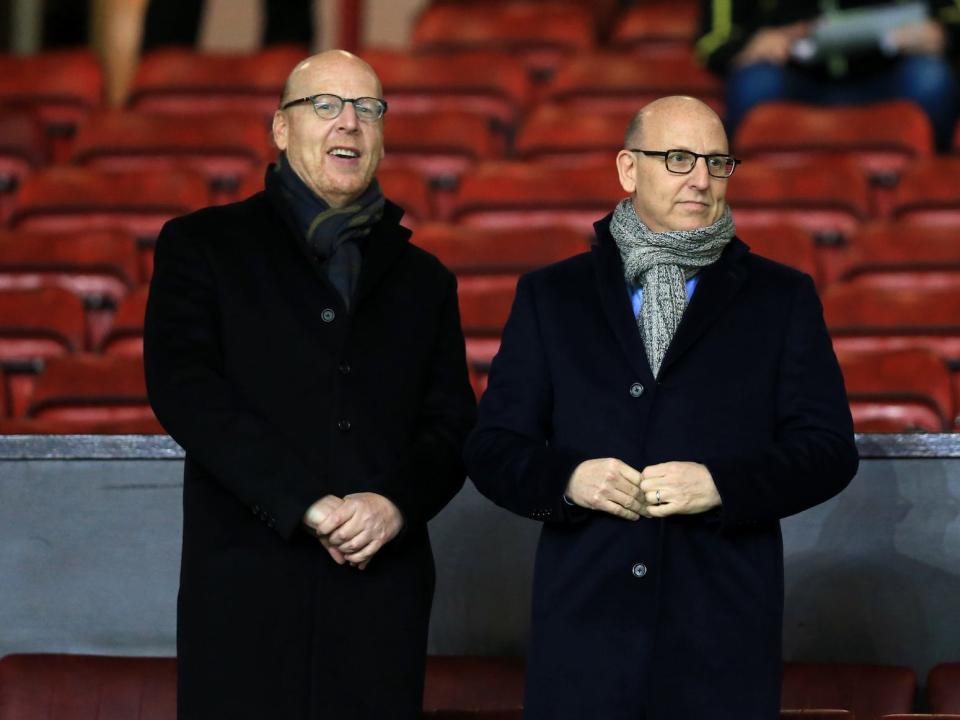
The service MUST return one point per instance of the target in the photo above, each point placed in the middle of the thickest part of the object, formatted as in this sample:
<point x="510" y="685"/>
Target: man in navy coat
<point x="659" y="403"/>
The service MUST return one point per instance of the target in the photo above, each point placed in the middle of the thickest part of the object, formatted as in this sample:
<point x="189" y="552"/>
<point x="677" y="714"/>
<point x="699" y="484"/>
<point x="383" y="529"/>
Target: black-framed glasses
<point x="328" y="106"/>
<point x="682" y="162"/>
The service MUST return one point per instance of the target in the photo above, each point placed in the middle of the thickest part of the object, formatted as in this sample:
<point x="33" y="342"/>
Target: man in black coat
<point x="659" y="404"/>
<point x="310" y="361"/>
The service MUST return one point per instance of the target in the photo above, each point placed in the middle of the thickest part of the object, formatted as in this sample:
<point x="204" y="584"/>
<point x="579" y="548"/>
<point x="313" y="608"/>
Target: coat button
<point x="344" y="425"/>
<point x="344" y="368"/>
<point x="328" y="315"/>
<point x="639" y="570"/>
<point x="636" y="390"/>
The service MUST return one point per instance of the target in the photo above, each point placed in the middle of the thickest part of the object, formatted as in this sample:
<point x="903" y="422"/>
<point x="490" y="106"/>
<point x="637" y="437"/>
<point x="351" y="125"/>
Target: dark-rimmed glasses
<point x="328" y="106"/>
<point x="682" y="162"/>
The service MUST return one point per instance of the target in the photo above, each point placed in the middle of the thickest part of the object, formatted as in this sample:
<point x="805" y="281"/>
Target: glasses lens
<point x="327" y="106"/>
<point x="721" y="165"/>
<point x="369" y="109"/>
<point x="680" y="161"/>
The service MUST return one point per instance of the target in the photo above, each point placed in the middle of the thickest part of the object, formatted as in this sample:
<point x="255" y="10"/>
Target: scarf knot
<point x="660" y="263"/>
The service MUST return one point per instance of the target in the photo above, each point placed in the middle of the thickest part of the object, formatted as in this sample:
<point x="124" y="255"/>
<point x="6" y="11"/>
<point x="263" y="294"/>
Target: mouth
<point x="344" y="153"/>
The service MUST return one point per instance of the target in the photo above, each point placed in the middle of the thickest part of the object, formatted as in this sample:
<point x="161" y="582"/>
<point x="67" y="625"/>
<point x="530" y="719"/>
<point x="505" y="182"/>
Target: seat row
<point x="85" y="687"/>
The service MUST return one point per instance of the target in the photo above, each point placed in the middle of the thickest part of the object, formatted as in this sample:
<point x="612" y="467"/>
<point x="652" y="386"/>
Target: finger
<point x="631" y="475"/>
<point x="348" y="531"/>
<point x="333" y="552"/>
<point x="337" y="518"/>
<point x="619" y="511"/>
<point x="365" y="553"/>
<point x="655" y="497"/>
<point x="356" y="543"/>
<point x="629" y="500"/>
<point x="659" y="511"/>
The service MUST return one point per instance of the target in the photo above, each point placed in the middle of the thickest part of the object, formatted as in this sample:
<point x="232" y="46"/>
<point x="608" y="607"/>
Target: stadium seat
<point x="485" y="303"/>
<point x="785" y="244"/>
<point x="534" y="195"/>
<point x="831" y="201"/>
<point x="125" y="336"/>
<point x="61" y="86"/>
<point x="92" y="388"/>
<point x="72" y="199"/>
<point x="183" y="81"/>
<point x="922" y="716"/>
<point x="440" y="145"/>
<point x="901" y="255"/>
<point x="512" y="251"/>
<point x="223" y="148"/>
<point x="928" y="193"/>
<point x="86" y="687"/>
<point x="490" y="688"/>
<point x="658" y="28"/>
<point x="543" y="34"/>
<point x="816" y="714"/>
<point x="943" y="688"/>
<point x="868" y="691"/>
<point x="557" y="135"/>
<point x="80" y="426"/>
<point x="898" y="391"/>
<point x="22" y="150"/>
<point x="486" y="83"/>
<point x="617" y="82"/>
<point x="883" y="137"/>
<point x="866" y="318"/>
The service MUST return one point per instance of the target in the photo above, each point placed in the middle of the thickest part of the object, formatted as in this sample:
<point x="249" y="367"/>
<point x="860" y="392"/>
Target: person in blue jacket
<point x="659" y="403"/>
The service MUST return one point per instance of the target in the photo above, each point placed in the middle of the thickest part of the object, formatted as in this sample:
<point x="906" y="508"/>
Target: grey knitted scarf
<point x="660" y="263"/>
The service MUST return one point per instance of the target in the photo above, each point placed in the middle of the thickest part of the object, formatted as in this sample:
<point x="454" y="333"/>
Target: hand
<point x="608" y="485"/>
<point x="363" y="524"/>
<point x="685" y="488"/>
<point x="315" y="515"/>
<point x="922" y="38"/>
<point x="772" y="45"/>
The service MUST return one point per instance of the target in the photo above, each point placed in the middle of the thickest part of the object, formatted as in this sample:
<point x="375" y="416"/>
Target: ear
<point x="627" y="170"/>
<point x="280" y="129"/>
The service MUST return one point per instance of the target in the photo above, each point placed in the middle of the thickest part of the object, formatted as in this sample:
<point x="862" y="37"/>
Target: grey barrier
<point x="90" y="533"/>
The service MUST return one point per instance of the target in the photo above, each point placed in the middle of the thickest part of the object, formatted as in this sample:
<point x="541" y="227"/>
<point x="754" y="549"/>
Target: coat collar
<point x="718" y="284"/>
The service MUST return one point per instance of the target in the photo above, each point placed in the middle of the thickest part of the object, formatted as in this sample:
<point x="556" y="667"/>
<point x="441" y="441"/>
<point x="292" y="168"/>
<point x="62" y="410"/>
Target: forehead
<point x="338" y="76"/>
<point x="698" y="131"/>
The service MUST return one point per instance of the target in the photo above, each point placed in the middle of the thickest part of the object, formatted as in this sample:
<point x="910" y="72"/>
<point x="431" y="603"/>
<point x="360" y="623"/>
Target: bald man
<point x="658" y="404"/>
<point x="310" y="361"/>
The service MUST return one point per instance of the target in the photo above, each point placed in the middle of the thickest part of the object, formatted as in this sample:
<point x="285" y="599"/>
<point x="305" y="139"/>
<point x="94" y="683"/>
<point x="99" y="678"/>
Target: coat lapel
<point x="616" y="300"/>
<point x="384" y="245"/>
<point x="718" y="285"/>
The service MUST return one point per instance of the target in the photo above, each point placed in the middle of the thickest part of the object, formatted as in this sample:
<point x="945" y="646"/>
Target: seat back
<point x="943" y="688"/>
<point x="868" y="691"/>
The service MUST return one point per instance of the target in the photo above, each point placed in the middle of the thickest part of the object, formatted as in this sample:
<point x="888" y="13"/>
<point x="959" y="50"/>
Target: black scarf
<point x="332" y="234"/>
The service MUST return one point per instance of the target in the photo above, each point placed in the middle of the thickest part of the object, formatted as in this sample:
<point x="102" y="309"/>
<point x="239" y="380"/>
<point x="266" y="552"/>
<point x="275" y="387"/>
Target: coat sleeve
<point x="508" y="455"/>
<point x="431" y="471"/>
<point x="813" y="455"/>
<point x="199" y="406"/>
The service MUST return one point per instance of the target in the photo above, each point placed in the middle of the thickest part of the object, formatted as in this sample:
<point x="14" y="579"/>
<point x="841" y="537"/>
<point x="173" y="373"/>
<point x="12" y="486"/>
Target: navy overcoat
<point x="678" y="618"/>
<point x="280" y="396"/>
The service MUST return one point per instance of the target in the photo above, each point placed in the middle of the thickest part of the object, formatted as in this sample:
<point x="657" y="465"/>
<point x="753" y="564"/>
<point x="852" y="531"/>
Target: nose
<point x="699" y="177"/>
<point x="347" y="119"/>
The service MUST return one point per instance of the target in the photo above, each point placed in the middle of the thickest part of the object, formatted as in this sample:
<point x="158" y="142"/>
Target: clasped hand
<point x="355" y="527"/>
<point x="610" y="485"/>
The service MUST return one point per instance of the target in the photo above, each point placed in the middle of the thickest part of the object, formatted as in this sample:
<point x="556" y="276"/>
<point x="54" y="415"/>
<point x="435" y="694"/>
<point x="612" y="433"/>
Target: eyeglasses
<point x="682" y="162"/>
<point x="328" y="107"/>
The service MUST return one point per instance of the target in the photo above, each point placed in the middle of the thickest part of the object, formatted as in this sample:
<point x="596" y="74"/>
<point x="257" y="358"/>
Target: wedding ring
<point x="658" y="497"/>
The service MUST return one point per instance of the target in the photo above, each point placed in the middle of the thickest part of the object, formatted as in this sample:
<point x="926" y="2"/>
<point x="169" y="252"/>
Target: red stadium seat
<point x="543" y="34"/>
<point x="80" y="426"/>
<point x="943" y="688"/>
<point x="479" y="251"/>
<point x="60" y="86"/>
<point x="902" y="255"/>
<point x="22" y="150"/>
<point x="928" y="193"/>
<point x="555" y="135"/>
<point x="485" y="303"/>
<point x="868" y="691"/>
<point x="490" y="84"/>
<point x="864" y="317"/>
<point x="474" y="687"/>
<point x="898" y="390"/>
<point x="922" y="716"/>
<point x="785" y="244"/>
<point x="612" y="82"/>
<point x="830" y="201"/>
<point x="884" y="137"/>
<point x="72" y="199"/>
<point x="534" y="195"/>
<point x="440" y="145"/>
<point x="86" y="687"/>
<point x="125" y="336"/>
<point x="92" y="388"/>
<point x="658" y="28"/>
<point x="183" y="81"/>
<point x="816" y="714"/>
<point x="223" y="148"/>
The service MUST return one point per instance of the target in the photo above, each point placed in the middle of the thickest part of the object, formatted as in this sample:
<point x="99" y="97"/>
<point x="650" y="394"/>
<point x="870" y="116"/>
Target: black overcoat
<point x="679" y="618"/>
<point x="280" y="396"/>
